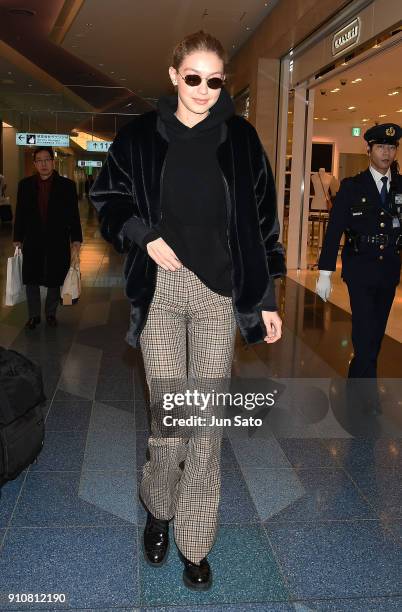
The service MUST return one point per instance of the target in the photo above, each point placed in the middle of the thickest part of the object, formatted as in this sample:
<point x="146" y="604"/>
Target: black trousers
<point x="370" y="310"/>
<point x="34" y="302"/>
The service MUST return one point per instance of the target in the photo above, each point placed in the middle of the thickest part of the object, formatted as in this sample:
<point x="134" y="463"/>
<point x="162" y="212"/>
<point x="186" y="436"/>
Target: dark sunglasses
<point x="192" y="80"/>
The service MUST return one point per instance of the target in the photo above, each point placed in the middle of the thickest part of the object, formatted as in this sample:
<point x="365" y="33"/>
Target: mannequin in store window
<point x="325" y="187"/>
<point x="368" y="209"/>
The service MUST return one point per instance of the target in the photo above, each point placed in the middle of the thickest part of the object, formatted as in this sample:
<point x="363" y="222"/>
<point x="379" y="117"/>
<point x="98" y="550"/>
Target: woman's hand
<point x="273" y="325"/>
<point x="163" y="255"/>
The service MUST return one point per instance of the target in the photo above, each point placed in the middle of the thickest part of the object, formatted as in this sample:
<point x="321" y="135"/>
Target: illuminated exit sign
<point x="356" y="131"/>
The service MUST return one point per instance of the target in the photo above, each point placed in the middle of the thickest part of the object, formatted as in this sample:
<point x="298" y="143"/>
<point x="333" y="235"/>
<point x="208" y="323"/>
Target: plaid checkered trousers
<point x="189" y="334"/>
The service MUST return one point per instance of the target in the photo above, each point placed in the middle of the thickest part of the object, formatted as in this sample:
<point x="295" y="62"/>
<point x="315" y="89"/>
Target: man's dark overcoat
<point x="129" y="188"/>
<point x="46" y="247"/>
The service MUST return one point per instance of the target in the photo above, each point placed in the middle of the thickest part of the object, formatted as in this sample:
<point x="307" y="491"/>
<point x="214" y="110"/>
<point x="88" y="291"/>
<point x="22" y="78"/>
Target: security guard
<point x="368" y="209"/>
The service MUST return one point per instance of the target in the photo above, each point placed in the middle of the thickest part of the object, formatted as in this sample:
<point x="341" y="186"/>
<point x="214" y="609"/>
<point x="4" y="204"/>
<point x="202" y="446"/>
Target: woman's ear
<point x="173" y="75"/>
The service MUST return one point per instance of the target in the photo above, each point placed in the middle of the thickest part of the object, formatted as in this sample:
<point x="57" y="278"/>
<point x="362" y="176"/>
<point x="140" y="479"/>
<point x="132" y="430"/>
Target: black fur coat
<point x="129" y="187"/>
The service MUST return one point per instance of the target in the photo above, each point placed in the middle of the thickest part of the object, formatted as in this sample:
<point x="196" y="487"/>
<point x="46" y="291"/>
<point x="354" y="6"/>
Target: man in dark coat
<point x="368" y="209"/>
<point x="46" y="222"/>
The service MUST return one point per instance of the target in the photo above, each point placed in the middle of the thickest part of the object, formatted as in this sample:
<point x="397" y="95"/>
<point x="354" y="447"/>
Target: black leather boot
<point x="197" y="577"/>
<point x="156" y="540"/>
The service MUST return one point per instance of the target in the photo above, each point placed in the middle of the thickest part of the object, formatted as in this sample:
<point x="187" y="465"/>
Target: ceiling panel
<point x="369" y="96"/>
<point x="135" y="46"/>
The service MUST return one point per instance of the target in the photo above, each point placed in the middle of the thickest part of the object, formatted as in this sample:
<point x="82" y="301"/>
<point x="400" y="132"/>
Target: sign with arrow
<point x="98" y="145"/>
<point x="42" y="140"/>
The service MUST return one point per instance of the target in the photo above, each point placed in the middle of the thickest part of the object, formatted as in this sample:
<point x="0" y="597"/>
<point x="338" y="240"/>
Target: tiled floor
<point x="310" y="514"/>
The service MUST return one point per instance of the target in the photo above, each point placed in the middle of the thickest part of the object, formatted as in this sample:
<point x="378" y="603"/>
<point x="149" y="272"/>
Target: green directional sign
<point x="89" y="163"/>
<point x="356" y="131"/>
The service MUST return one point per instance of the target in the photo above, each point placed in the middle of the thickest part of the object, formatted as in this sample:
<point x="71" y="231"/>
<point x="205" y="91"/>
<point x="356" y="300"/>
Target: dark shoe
<point x="51" y="321"/>
<point x="32" y="323"/>
<point x="197" y="577"/>
<point x="156" y="540"/>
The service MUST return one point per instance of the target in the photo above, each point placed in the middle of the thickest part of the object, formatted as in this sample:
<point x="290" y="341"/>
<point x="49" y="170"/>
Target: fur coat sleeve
<point x="113" y="195"/>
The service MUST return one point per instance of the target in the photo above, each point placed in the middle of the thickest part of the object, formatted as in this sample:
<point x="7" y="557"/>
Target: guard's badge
<point x="390" y="131"/>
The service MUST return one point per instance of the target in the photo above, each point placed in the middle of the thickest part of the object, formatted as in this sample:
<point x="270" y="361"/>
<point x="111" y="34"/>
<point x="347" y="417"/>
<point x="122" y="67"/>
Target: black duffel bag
<point x="22" y="428"/>
<point x="6" y="212"/>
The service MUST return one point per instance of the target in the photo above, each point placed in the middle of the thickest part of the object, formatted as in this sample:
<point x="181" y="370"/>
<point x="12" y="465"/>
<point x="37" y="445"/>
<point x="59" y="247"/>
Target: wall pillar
<point x="12" y="163"/>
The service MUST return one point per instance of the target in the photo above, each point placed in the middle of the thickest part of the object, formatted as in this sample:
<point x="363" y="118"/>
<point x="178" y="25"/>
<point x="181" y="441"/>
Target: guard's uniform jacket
<point x="371" y="260"/>
<point x="358" y="211"/>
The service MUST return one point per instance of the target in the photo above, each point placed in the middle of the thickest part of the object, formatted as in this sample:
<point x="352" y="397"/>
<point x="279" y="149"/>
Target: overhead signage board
<point x="89" y="163"/>
<point x="347" y="37"/>
<point x="98" y="145"/>
<point x="356" y="131"/>
<point x="42" y="140"/>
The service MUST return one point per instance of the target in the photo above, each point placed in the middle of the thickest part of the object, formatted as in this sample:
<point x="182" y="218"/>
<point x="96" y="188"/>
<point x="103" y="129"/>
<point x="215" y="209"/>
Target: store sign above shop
<point x="43" y="140"/>
<point x="89" y="163"/>
<point x="356" y="131"/>
<point x="347" y="37"/>
<point x="98" y="145"/>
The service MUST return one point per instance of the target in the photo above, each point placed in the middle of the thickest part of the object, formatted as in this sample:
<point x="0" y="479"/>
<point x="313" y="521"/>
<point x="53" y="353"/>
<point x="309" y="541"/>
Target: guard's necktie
<point x="384" y="190"/>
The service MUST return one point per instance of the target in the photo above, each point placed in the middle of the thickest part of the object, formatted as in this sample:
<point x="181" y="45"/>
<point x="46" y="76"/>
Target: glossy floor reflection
<point x="310" y="514"/>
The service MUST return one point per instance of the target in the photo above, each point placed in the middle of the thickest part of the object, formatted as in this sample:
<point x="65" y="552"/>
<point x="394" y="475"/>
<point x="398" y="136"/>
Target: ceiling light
<point x="395" y="92"/>
<point x="325" y="118"/>
<point x="357" y="80"/>
<point x="351" y="107"/>
<point x="382" y="116"/>
<point x="290" y="113"/>
<point x="399" y="111"/>
<point x="248" y="28"/>
<point x="316" y="118"/>
<point x="335" y="90"/>
<point x="365" y="120"/>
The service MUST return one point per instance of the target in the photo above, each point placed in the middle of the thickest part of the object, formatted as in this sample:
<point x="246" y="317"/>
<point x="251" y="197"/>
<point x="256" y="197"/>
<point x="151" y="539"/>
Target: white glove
<point x="323" y="285"/>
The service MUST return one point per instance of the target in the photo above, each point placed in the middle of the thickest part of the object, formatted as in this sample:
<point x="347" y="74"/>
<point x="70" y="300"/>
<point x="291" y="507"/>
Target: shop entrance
<point x="327" y="118"/>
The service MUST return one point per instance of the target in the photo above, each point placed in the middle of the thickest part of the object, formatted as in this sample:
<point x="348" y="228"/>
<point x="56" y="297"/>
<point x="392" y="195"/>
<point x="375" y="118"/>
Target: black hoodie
<point x="194" y="220"/>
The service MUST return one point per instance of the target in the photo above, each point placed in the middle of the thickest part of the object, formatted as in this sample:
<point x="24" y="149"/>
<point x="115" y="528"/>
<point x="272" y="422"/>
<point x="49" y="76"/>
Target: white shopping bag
<point x="15" y="291"/>
<point x="71" y="290"/>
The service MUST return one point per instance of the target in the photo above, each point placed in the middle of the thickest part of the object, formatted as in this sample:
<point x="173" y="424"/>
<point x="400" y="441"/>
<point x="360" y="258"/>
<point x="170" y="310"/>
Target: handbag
<point x="71" y="290"/>
<point x="15" y="292"/>
<point x="6" y="212"/>
<point x="22" y="428"/>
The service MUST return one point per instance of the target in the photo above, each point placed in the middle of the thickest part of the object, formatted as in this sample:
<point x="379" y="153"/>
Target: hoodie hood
<point x="222" y="110"/>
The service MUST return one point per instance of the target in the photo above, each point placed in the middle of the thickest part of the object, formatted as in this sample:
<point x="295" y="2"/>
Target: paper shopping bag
<point x="71" y="290"/>
<point x="15" y="291"/>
